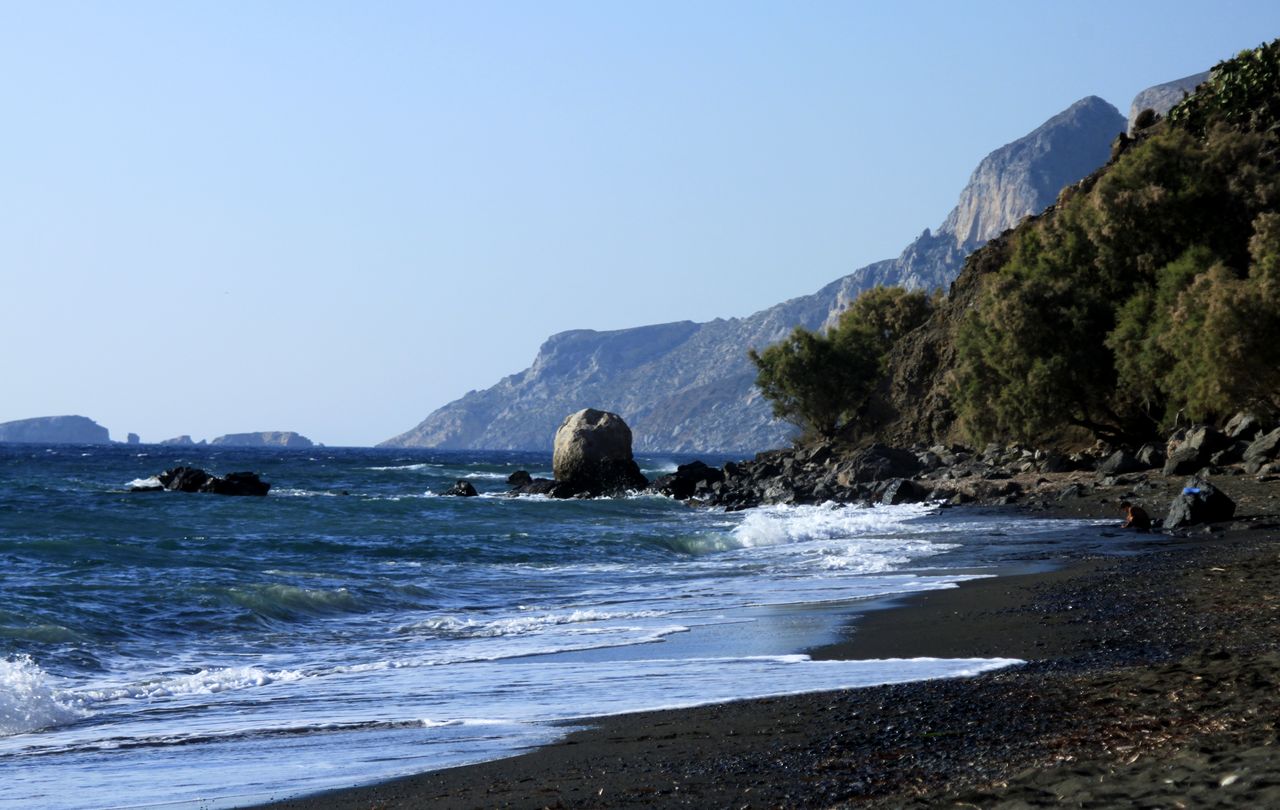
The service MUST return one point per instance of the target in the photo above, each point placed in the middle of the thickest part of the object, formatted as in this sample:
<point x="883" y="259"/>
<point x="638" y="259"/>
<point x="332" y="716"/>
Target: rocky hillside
<point x="689" y="387"/>
<point x="54" y="430"/>
<point x="1161" y="98"/>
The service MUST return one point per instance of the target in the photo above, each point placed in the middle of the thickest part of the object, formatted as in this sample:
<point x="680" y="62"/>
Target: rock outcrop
<point x="592" y="454"/>
<point x="133" y="438"/>
<point x="54" y="430"/>
<point x="461" y="489"/>
<point x="1162" y="98"/>
<point x="194" y="479"/>
<point x="267" y="438"/>
<point x="689" y="386"/>
<point x="178" y="441"/>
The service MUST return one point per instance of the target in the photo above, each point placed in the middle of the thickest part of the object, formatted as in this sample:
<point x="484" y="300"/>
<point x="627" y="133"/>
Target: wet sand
<point x="1152" y="680"/>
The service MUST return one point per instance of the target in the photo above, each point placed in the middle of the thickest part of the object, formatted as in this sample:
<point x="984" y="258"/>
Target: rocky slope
<point x="689" y="387"/>
<point x="267" y="438"/>
<point x="1162" y="97"/>
<point x="54" y="430"/>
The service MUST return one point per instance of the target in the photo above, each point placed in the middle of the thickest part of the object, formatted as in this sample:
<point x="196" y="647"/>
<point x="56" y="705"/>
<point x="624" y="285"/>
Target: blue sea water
<point x="170" y="649"/>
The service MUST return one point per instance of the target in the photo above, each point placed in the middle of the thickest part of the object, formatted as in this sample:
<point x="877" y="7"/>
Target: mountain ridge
<point x="689" y="387"/>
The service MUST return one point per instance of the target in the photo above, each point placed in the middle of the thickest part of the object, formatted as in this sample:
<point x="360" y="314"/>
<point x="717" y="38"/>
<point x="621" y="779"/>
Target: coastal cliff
<point x="54" y="430"/>
<point x="689" y="386"/>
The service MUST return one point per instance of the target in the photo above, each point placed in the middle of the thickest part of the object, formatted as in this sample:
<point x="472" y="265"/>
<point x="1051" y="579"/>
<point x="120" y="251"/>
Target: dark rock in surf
<point x="461" y="489"/>
<point x="688" y="480"/>
<point x="194" y="479"/>
<point x="519" y="478"/>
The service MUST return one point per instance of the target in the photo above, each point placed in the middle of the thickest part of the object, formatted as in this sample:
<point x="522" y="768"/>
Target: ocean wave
<point x="204" y="682"/>
<point x="776" y="525"/>
<point x="422" y="466"/>
<point x="286" y="601"/>
<point x="28" y="702"/>
<point x="145" y="483"/>
<point x="454" y="627"/>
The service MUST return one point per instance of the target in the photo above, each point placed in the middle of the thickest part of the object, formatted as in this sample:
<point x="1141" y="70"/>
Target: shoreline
<point x="1085" y="628"/>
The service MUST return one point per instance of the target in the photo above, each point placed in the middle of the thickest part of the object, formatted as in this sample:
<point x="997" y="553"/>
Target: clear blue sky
<point x="335" y="217"/>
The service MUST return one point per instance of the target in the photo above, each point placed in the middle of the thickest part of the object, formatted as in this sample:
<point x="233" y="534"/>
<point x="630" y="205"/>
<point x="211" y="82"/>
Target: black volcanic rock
<point x="54" y="430"/>
<point x="194" y="479"/>
<point x="461" y="489"/>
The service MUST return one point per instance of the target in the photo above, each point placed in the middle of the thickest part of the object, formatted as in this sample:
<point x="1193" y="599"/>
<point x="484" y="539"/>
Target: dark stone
<point x="237" y="483"/>
<point x="903" y="490"/>
<point x="184" y="479"/>
<point x="1073" y="491"/>
<point x="194" y="479"/>
<point x="133" y="438"/>
<point x="1196" y="451"/>
<point x="1262" y="449"/>
<point x="1119" y="463"/>
<point x="1243" y="426"/>
<point x="1199" y="502"/>
<point x="684" y="482"/>
<point x="461" y="489"/>
<point x="1232" y="454"/>
<point x="880" y="462"/>
<point x="1150" y="456"/>
<point x="1056" y="462"/>
<point x="519" y="478"/>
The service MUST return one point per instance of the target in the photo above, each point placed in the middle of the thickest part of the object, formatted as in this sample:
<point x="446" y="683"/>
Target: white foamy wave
<point x="204" y="682"/>
<point x="404" y="467"/>
<point x="776" y="525"/>
<point x="291" y="492"/>
<point x="145" y="483"/>
<point x="27" y="700"/>
<point x="520" y="625"/>
<point x="487" y="476"/>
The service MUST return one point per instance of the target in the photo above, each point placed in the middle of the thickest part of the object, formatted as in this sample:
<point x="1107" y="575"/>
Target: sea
<point x="167" y="649"/>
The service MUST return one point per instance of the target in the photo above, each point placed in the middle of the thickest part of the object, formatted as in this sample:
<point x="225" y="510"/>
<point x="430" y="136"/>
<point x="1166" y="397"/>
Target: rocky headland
<point x="54" y="430"/>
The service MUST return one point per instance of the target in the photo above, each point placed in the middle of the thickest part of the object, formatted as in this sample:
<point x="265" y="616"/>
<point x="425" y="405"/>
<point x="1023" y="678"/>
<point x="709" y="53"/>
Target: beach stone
<point x="1261" y="450"/>
<point x="592" y="454"/>
<point x="519" y="478"/>
<point x="903" y="490"/>
<point x="1119" y="463"/>
<point x="1195" y="451"/>
<point x="879" y="462"/>
<point x="687" y="480"/>
<point x="1199" y="502"/>
<point x="1150" y="455"/>
<point x="1243" y="426"/>
<point x="461" y="489"/>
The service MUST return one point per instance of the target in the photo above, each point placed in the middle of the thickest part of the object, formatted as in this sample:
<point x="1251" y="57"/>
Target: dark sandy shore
<point x="1152" y="681"/>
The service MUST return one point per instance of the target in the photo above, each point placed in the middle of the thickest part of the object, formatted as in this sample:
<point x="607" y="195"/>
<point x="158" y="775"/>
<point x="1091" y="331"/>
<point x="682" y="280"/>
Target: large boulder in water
<point x="592" y="454"/>
<point x="1199" y="502"/>
<point x="194" y="479"/>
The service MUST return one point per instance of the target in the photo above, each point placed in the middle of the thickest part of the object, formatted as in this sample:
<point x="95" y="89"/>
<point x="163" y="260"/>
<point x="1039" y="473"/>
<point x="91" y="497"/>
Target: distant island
<point x="266" y="438"/>
<point x="54" y="430"/>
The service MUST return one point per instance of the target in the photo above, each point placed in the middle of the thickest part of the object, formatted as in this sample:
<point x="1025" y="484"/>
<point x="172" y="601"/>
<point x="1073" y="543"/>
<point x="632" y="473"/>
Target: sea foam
<point x="27" y="700"/>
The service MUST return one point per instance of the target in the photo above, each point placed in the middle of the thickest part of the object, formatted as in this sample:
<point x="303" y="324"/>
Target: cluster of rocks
<point x="994" y="475"/>
<point x="194" y="479"/>
<point x="593" y="457"/>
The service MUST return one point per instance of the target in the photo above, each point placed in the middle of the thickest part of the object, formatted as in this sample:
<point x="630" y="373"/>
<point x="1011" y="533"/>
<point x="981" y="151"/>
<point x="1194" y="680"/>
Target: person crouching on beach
<point x="1135" y="517"/>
